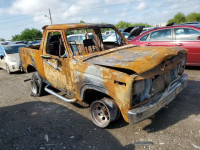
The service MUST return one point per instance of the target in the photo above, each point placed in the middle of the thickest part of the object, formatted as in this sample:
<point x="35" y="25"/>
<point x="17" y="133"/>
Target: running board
<point x="59" y="96"/>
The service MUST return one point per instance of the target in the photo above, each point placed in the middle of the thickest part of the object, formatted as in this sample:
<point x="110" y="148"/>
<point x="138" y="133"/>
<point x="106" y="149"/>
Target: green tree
<point x="178" y="18"/>
<point x="123" y="24"/>
<point x="170" y="20"/>
<point x="181" y="18"/>
<point x="15" y="37"/>
<point x="193" y="17"/>
<point x="81" y="21"/>
<point x="2" y="39"/>
<point x="142" y="24"/>
<point x="28" y="35"/>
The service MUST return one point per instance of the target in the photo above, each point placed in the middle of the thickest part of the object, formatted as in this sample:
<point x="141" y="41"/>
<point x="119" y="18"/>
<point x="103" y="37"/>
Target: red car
<point x="186" y="36"/>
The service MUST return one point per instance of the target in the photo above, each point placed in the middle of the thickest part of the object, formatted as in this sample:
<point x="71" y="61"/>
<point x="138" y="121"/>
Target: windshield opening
<point x="84" y="41"/>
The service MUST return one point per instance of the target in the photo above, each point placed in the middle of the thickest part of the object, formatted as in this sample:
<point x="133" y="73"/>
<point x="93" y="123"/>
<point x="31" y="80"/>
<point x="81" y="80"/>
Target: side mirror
<point x="198" y="37"/>
<point x="1" y="57"/>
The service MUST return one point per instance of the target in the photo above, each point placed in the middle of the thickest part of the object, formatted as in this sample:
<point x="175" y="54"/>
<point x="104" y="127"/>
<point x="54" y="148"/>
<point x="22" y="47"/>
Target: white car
<point x="114" y="37"/>
<point x="78" y="38"/>
<point x="9" y="57"/>
<point x="108" y="33"/>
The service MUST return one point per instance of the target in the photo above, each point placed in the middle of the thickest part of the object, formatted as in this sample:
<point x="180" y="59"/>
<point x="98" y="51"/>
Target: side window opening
<point x="186" y="34"/>
<point x="161" y="35"/>
<point x="55" y="45"/>
<point x="144" y="38"/>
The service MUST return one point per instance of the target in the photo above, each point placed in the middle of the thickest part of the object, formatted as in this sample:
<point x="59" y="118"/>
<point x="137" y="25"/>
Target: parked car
<point x="76" y="38"/>
<point x="34" y="43"/>
<point x="186" y="36"/>
<point x="104" y="36"/>
<point x="114" y="36"/>
<point x="132" y="31"/>
<point x="112" y="77"/>
<point x="6" y="43"/>
<point x="108" y="33"/>
<point x="9" y="57"/>
<point x="20" y="42"/>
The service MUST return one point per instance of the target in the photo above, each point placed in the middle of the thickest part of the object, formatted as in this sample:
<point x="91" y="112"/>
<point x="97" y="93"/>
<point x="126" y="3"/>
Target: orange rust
<point x="121" y="94"/>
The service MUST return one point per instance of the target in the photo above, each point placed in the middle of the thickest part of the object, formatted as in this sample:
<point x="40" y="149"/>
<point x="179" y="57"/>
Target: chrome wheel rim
<point x="34" y="87"/>
<point x="100" y="114"/>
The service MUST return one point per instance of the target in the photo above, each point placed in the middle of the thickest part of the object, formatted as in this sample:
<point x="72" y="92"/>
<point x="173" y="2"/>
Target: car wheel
<point x="103" y="112"/>
<point x="37" y="86"/>
<point x="7" y="69"/>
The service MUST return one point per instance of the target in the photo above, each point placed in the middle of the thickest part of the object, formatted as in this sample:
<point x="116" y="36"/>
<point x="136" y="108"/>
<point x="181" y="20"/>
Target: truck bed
<point x="29" y="56"/>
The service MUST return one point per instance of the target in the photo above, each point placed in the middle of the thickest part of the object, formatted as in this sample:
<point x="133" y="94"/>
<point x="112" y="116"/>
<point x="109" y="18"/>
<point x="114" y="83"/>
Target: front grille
<point x="156" y="85"/>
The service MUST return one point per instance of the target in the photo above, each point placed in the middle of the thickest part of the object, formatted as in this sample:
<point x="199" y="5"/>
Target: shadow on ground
<point x="192" y="67"/>
<point x="26" y="125"/>
<point x="184" y="105"/>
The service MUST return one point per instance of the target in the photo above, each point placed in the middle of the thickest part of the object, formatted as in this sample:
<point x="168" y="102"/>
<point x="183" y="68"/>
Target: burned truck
<point x="114" y="77"/>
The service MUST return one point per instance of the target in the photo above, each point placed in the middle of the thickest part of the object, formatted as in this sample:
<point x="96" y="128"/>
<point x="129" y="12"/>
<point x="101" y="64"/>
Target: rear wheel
<point x="37" y="86"/>
<point x="103" y="112"/>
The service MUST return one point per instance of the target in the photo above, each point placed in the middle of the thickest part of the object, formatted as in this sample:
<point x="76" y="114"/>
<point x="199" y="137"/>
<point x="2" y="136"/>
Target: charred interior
<point x="83" y="41"/>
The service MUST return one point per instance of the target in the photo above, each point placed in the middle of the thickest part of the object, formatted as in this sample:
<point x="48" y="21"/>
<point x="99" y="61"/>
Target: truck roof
<point x="76" y="26"/>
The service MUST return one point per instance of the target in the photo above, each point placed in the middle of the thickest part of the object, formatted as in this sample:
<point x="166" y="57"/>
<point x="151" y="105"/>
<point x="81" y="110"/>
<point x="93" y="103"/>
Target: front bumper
<point x="145" y="111"/>
<point x="14" y="66"/>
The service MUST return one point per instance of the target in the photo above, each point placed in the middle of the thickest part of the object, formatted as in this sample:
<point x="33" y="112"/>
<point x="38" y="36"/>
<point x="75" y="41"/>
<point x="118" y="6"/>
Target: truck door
<point x="56" y="61"/>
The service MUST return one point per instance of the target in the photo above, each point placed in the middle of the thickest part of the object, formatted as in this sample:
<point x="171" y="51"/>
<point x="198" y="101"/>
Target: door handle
<point x="46" y="56"/>
<point x="149" y="44"/>
<point x="179" y="44"/>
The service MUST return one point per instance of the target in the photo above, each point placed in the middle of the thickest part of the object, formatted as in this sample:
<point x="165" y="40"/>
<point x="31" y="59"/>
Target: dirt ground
<point x="48" y="123"/>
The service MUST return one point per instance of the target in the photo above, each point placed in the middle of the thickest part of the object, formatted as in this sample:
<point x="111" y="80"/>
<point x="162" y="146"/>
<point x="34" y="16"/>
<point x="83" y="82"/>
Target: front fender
<point x="92" y="87"/>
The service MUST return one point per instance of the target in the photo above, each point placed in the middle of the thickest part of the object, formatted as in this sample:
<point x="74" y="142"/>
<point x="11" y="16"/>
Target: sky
<point x="16" y="15"/>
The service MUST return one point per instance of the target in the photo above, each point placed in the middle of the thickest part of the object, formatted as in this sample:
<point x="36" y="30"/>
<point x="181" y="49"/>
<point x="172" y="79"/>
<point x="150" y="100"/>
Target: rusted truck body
<point x="113" y="77"/>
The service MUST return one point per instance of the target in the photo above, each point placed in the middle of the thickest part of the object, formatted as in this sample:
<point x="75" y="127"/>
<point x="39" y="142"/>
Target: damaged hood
<point x="137" y="59"/>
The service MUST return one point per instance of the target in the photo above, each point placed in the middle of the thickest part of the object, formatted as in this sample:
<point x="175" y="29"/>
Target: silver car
<point x="78" y="38"/>
<point x="9" y="57"/>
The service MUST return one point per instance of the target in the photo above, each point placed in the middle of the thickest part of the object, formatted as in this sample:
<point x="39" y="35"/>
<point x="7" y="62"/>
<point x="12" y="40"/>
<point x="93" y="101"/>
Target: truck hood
<point x="137" y="59"/>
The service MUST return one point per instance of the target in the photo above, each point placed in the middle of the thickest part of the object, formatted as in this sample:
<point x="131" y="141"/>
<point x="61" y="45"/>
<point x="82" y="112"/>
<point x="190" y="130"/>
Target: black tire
<point x="103" y="112"/>
<point x="37" y="85"/>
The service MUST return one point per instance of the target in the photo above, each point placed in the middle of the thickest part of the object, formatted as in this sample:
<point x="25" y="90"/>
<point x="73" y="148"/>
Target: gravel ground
<point x="47" y="123"/>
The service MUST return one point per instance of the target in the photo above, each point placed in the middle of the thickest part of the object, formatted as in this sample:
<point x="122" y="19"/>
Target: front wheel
<point x="37" y="86"/>
<point x="103" y="112"/>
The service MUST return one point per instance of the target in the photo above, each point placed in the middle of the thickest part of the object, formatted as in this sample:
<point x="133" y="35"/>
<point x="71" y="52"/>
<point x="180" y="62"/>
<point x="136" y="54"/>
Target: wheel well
<point x="30" y="69"/>
<point x="92" y="95"/>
